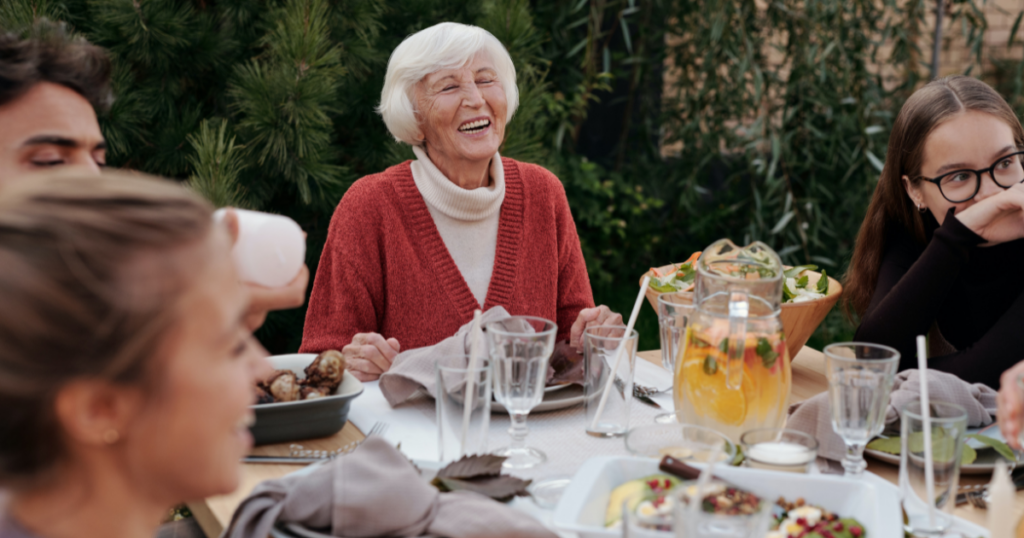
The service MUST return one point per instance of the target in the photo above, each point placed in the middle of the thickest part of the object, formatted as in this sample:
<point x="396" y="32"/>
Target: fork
<point x="639" y="395"/>
<point x="643" y="390"/>
<point x="977" y="498"/>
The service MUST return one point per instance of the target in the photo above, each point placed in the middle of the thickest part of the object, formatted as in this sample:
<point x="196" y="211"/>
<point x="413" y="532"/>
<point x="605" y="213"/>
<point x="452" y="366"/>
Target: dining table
<point x="213" y="514"/>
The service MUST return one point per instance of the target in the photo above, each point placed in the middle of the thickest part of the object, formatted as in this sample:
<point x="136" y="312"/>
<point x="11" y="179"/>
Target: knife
<point x="291" y="460"/>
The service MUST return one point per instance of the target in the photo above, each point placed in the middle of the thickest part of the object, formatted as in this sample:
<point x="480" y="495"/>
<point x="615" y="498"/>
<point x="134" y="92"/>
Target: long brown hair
<point x="91" y="269"/>
<point x="890" y="206"/>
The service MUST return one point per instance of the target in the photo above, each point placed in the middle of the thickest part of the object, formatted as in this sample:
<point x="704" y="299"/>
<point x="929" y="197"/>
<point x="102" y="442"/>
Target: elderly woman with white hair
<point x="412" y="251"/>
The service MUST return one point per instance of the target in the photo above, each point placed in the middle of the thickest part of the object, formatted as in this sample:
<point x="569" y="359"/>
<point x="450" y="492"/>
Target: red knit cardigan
<point x="385" y="268"/>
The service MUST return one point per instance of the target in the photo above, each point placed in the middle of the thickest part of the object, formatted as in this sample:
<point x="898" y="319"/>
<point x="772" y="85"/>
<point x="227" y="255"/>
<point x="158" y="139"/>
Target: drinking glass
<point x="698" y="523"/>
<point x="608" y="414"/>
<point x="860" y="378"/>
<point x="674" y="309"/>
<point x="948" y="426"/>
<point x="775" y="449"/>
<point x="520" y="348"/>
<point x="461" y="432"/>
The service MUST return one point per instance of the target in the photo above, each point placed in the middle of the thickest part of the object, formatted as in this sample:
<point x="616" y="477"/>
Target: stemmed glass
<point x="520" y="348"/>
<point x="860" y="378"/>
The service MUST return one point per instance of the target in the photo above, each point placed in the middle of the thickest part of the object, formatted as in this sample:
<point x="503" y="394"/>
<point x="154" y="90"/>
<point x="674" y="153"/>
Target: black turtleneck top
<point x="973" y="294"/>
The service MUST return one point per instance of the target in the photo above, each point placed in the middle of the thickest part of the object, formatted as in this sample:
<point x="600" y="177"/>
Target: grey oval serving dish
<point x="306" y="419"/>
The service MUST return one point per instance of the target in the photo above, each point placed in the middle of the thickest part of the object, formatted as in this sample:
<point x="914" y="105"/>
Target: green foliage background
<point x="776" y="118"/>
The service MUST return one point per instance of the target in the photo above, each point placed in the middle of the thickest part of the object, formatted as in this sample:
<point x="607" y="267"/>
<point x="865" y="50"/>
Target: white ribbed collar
<point x="452" y="200"/>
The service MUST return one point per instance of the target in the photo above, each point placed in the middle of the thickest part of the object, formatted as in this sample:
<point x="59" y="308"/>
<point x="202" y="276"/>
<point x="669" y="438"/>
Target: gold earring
<point x="111" y="436"/>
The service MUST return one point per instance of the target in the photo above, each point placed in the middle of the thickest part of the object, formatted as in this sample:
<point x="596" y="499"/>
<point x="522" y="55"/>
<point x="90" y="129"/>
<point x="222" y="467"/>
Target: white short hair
<point x="448" y="45"/>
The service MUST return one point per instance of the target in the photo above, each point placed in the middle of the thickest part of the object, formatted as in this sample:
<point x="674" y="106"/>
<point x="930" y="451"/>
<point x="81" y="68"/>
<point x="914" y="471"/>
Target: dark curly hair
<point x="49" y="52"/>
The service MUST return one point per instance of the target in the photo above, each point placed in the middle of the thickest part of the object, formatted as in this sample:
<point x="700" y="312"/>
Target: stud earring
<point x="111" y="436"/>
<point x="922" y="209"/>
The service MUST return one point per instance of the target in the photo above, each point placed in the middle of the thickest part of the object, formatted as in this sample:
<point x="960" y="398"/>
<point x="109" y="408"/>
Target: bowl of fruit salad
<point x="807" y="296"/>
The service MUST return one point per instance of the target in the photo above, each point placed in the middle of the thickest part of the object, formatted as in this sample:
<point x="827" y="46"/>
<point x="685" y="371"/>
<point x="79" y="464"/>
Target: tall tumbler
<point x="604" y="370"/>
<point x="463" y="412"/>
<point x="674" y="309"/>
<point x="948" y="427"/>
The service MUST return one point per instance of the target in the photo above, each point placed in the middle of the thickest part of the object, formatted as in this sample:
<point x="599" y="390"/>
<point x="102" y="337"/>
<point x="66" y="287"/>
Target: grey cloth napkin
<point x="414" y="369"/>
<point x="375" y="491"/>
<point x="813" y="415"/>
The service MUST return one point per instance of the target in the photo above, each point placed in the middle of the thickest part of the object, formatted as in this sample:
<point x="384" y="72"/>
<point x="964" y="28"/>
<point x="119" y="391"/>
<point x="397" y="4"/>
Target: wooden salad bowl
<point x="799" y="320"/>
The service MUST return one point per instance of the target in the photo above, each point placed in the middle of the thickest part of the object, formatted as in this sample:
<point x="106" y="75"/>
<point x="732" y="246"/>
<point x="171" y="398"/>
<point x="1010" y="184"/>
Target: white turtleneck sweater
<point x="466" y="219"/>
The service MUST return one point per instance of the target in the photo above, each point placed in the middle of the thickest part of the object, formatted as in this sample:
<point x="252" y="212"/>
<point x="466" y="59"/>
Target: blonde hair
<point x="76" y="300"/>
<point x="448" y="45"/>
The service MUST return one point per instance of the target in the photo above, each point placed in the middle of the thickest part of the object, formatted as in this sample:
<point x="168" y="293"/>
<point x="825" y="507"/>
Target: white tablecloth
<point x="559" y="434"/>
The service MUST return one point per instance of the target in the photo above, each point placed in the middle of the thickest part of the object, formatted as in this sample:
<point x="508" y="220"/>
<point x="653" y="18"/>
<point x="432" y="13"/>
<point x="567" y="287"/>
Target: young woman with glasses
<point x="940" y="247"/>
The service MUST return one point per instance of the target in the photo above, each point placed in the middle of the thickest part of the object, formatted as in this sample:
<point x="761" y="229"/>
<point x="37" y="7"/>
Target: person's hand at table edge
<point x="370" y="355"/>
<point x="592" y="317"/>
<point x="1008" y="405"/>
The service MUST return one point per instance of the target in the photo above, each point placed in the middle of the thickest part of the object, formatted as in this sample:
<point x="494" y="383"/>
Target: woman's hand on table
<point x="370" y="355"/>
<point x="998" y="218"/>
<point x="1009" y="405"/>
<point x="592" y="317"/>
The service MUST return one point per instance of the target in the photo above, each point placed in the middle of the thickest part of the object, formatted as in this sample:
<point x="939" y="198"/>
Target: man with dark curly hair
<point x="51" y="86"/>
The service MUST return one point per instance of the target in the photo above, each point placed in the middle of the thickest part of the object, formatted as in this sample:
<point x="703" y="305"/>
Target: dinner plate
<point x="560" y="386"/>
<point x="987" y="457"/>
<point x="570" y="396"/>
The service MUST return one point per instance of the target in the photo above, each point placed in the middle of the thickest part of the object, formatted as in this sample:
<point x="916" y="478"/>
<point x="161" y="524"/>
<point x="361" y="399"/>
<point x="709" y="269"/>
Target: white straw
<point x="474" y="352"/>
<point x="621" y="348"/>
<point x="926" y="425"/>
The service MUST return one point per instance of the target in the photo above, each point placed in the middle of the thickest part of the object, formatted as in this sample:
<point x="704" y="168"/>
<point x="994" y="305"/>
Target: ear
<point x="96" y="413"/>
<point x="913" y="192"/>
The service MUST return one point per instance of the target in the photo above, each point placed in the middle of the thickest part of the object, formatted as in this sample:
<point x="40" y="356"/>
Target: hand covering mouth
<point x="472" y="127"/>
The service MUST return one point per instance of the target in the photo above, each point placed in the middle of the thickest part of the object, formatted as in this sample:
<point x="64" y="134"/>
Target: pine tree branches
<point x="216" y="164"/>
<point x="285" y="98"/>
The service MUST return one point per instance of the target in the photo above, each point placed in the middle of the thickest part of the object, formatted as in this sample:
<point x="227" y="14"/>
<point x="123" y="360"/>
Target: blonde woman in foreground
<point x="126" y="369"/>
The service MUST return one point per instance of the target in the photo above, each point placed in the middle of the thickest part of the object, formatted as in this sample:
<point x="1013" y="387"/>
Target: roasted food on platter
<point x="322" y="378"/>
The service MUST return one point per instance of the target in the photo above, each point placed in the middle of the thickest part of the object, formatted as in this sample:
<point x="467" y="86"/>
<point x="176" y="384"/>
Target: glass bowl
<point x="684" y="442"/>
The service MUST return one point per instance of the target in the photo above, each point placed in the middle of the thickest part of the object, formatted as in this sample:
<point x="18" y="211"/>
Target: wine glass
<point x="860" y="378"/>
<point x="520" y="348"/>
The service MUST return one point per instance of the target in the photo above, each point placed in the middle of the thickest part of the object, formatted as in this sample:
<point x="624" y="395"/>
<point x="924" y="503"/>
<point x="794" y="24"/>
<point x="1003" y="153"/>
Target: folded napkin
<point x="375" y="491"/>
<point x="813" y="415"/>
<point x="414" y="369"/>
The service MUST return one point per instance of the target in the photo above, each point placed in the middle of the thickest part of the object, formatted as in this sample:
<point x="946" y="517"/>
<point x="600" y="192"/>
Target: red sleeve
<point x="347" y="296"/>
<point x="574" y="293"/>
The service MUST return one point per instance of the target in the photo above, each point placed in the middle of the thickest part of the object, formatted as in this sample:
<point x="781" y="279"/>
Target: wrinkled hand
<point x="1009" y="405"/>
<point x="262" y="300"/>
<point x="370" y="355"/>
<point x="591" y="317"/>
<point x="998" y="218"/>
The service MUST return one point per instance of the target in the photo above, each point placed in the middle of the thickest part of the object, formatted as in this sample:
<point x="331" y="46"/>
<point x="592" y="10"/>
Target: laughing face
<point x="462" y="113"/>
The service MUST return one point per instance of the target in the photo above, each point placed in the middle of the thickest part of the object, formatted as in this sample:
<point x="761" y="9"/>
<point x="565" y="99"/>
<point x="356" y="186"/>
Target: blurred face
<point x="51" y="125"/>
<point x="462" y="112"/>
<point x="189" y="436"/>
<point x="971" y="140"/>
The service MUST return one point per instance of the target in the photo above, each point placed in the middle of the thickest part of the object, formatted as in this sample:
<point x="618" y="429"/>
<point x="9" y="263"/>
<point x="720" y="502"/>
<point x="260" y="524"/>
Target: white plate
<point x="872" y="501"/>
<point x="553" y="388"/>
<point x="987" y="456"/>
<point x="553" y="400"/>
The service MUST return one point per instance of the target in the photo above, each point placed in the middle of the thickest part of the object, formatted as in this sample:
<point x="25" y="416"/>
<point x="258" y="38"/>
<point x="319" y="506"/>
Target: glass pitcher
<point x="733" y="374"/>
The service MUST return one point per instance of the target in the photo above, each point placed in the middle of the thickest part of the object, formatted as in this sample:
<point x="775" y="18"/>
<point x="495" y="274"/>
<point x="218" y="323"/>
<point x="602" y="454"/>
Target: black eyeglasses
<point x="962" y="185"/>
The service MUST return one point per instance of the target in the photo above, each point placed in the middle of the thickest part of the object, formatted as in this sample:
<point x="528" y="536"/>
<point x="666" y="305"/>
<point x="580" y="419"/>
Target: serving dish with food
<point x="807" y="299"/>
<point x="306" y="397"/>
<point x="872" y="502"/>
